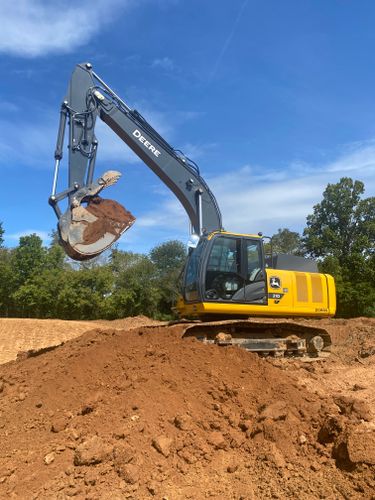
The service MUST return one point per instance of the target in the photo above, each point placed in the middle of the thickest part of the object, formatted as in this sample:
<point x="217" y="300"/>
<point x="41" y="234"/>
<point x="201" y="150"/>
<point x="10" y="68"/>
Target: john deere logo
<point x="275" y="282"/>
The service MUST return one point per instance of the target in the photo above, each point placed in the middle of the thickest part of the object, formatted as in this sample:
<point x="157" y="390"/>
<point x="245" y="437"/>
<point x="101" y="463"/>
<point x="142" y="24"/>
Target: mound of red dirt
<point x="142" y="413"/>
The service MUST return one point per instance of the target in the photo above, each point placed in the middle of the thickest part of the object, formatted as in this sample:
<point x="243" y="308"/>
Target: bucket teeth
<point x="107" y="179"/>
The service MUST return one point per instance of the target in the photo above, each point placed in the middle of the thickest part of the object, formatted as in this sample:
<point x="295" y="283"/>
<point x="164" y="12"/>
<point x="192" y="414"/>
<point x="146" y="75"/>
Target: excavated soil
<point x="131" y="410"/>
<point x="112" y="218"/>
<point x="20" y="335"/>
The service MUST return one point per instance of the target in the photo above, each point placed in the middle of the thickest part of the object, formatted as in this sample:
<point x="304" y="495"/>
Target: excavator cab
<point x="228" y="274"/>
<point x="226" y="268"/>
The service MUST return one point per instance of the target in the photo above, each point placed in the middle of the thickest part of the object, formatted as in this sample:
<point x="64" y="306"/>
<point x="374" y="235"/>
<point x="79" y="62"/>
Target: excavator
<point x="231" y="282"/>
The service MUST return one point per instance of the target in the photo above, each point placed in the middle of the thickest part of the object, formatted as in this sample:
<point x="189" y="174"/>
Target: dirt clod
<point x="58" y="425"/>
<point x="92" y="451"/>
<point x="49" y="458"/>
<point x="183" y="422"/>
<point x="361" y="445"/>
<point x="129" y="473"/>
<point x="163" y="445"/>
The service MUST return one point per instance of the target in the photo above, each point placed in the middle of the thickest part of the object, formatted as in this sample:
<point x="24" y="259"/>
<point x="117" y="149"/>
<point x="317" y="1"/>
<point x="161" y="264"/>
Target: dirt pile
<point x="129" y="323"/>
<point x="143" y="414"/>
<point x="20" y="335"/>
<point x="26" y="334"/>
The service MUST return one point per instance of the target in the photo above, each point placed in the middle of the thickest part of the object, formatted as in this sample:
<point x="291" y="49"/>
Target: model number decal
<point x="146" y="143"/>
<point x="277" y="296"/>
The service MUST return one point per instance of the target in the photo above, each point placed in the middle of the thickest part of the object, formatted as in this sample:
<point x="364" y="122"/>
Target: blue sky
<point x="272" y="99"/>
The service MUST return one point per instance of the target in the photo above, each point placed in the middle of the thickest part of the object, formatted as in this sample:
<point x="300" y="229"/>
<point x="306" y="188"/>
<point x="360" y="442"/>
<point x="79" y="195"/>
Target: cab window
<point x="225" y="256"/>
<point x="223" y="272"/>
<point x="192" y="274"/>
<point x="254" y="259"/>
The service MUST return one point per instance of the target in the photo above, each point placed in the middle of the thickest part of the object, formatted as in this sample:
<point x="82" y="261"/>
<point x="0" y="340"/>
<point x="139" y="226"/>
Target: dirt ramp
<point x="141" y="413"/>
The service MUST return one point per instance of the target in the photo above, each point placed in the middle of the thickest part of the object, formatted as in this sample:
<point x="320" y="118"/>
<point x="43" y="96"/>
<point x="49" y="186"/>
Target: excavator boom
<point x="86" y="231"/>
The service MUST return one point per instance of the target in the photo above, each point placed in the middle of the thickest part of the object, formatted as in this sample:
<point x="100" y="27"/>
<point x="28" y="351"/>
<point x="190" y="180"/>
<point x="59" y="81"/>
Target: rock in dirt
<point x="58" y="425"/>
<point x="332" y="427"/>
<point x="361" y="445"/>
<point x="302" y="439"/>
<point x="217" y="440"/>
<point x="49" y="458"/>
<point x="92" y="451"/>
<point x="163" y="445"/>
<point x="129" y="473"/>
<point x="183" y="422"/>
<point x="123" y="454"/>
<point x="152" y="487"/>
<point x="353" y="407"/>
<point x="275" y="456"/>
<point x="275" y="411"/>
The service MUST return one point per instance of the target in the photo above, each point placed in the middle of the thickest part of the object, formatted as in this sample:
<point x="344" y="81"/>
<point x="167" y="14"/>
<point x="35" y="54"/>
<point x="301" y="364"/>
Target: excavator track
<point x="265" y="337"/>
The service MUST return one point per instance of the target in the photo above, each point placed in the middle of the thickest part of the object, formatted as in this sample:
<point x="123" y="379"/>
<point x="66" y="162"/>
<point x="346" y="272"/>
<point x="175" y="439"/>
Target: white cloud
<point x="32" y="28"/>
<point x="161" y="216"/>
<point x="164" y="63"/>
<point x="358" y="156"/>
<point x="195" y="151"/>
<point x="252" y="200"/>
<point x="9" y="107"/>
<point x="35" y="146"/>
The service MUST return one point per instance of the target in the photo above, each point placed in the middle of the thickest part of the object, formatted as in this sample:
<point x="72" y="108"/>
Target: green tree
<point x="169" y="259"/>
<point x="39" y="295"/>
<point x="7" y="283"/>
<point x="286" y="241"/>
<point x="1" y="235"/>
<point x="168" y="256"/>
<point x="135" y="289"/>
<point x="55" y="255"/>
<point x="341" y="234"/>
<point x="343" y="223"/>
<point x="83" y="293"/>
<point x="29" y="258"/>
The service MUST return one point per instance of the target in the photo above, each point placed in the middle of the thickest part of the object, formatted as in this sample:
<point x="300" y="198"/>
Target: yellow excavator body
<point x="301" y="294"/>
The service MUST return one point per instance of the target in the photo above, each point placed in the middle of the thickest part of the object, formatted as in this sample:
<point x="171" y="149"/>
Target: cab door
<point x="223" y="276"/>
<point x="255" y="280"/>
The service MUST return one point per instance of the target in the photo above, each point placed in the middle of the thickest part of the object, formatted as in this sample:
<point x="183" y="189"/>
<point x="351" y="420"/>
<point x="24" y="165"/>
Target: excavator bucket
<point x="86" y="231"/>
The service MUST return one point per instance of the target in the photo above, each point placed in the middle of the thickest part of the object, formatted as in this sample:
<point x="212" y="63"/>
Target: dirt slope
<point x="25" y="334"/>
<point x="140" y="413"/>
<point x="18" y="335"/>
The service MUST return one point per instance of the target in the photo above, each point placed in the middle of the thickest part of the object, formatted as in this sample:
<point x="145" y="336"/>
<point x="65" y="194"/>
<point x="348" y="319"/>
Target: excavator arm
<point x="90" y="224"/>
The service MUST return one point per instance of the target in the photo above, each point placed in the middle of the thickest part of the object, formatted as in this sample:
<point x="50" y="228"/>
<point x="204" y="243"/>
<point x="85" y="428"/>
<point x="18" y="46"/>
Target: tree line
<point x="39" y="281"/>
<point x="340" y="235"/>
